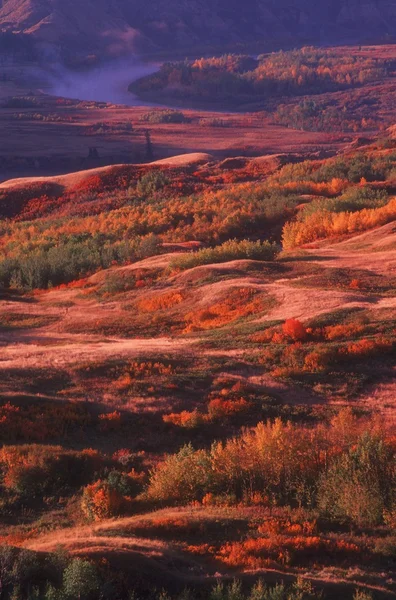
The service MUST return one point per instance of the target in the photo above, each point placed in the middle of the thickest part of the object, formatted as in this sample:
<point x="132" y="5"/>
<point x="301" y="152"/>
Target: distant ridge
<point x="111" y="27"/>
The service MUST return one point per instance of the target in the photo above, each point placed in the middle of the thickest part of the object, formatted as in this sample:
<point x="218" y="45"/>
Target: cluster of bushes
<point x="322" y="223"/>
<point x="109" y="226"/>
<point x="151" y="182"/>
<point x="347" y="470"/>
<point x="351" y="168"/>
<point x="39" y="423"/>
<point x="311" y="115"/>
<point x="100" y="128"/>
<point x="301" y="590"/>
<point x="164" y="116"/>
<point x="219" y="409"/>
<point x="26" y="575"/>
<point x="45" y="118"/>
<point x="62" y="263"/>
<point x="71" y="259"/>
<point x="111" y="495"/>
<point x="215" y="122"/>
<point x="59" y="249"/>
<point x="230" y="250"/>
<point x="351" y="200"/>
<point x="31" y="472"/>
<point x="315" y="355"/>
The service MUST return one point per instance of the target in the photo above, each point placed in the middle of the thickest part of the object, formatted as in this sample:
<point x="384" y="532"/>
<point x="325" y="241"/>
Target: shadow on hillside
<point x="308" y="258"/>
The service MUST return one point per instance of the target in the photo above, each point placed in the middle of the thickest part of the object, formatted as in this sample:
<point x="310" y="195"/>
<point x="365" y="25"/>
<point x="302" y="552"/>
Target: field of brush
<point x="197" y="389"/>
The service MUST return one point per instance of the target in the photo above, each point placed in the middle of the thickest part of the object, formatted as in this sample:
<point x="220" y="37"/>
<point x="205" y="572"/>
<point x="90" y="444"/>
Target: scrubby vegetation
<point x="324" y="223"/>
<point x="200" y="423"/>
<point x="281" y="464"/>
<point x="315" y="74"/>
<point x="27" y="576"/>
<point x="164" y="116"/>
<point x="297" y="72"/>
<point x="231" y="250"/>
<point x="125" y="216"/>
<point x="329" y="115"/>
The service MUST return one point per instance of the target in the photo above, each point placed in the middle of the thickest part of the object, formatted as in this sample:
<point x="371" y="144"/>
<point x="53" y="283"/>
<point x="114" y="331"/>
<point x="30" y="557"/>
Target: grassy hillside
<point x="197" y="392"/>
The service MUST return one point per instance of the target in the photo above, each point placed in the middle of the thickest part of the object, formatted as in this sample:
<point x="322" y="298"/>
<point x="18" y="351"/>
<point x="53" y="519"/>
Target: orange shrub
<point x="100" y="501"/>
<point x="135" y="371"/>
<point x="160" y="301"/>
<point x="340" y="332"/>
<point x="149" y="368"/>
<point x="259" y="553"/>
<point x="367" y="347"/>
<point x="263" y="337"/>
<point x="323" y="224"/>
<point x="355" y="284"/>
<point x="276" y="525"/>
<point x="239" y="302"/>
<point x="124" y="382"/>
<point x="318" y="360"/>
<point x="185" y="418"/>
<point x="219" y="407"/>
<point x="294" y="329"/>
<point x="278" y="338"/>
<point x="322" y="188"/>
<point x="34" y="470"/>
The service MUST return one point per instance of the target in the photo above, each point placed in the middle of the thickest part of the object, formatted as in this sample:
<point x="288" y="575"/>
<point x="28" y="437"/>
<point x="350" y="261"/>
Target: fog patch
<point x="106" y="83"/>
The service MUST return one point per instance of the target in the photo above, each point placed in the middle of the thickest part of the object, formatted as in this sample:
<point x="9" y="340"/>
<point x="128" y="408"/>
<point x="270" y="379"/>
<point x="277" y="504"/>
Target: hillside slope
<point x="180" y="405"/>
<point x="119" y="25"/>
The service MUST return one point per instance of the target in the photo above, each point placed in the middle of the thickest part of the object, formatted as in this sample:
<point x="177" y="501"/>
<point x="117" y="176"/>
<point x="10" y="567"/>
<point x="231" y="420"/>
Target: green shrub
<point x="149" y="246"/>
<point x="182" y="477"/>
<point x="152" y="182"/>
<point x="353" y="169"/>
<point x="65" y="262"/>
<point x="81" y="580"/>
<point x="386" y="546"/>
<point x="230" y="250"/>
<point x="352" y="200"/>
<point x="165" y="116"/>
<point x="359" y="485"/>
<point x="300" y="590"/>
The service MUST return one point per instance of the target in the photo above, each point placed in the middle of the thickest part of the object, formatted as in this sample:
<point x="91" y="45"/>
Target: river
<point x="107" y="83"/>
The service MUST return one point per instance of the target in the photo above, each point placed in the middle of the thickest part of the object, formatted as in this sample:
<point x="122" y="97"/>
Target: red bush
<point x="295" y="330"/>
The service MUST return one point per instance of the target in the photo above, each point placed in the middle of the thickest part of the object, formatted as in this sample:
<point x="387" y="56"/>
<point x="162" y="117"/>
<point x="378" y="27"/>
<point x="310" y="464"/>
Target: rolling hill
<point x="197" y="373"/>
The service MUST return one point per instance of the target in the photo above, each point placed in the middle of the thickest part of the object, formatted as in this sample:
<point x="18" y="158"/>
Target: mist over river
<point x="107" y="83"/>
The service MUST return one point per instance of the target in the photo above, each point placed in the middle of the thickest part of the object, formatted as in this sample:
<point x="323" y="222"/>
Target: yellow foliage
<point x="323" y="224"/>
